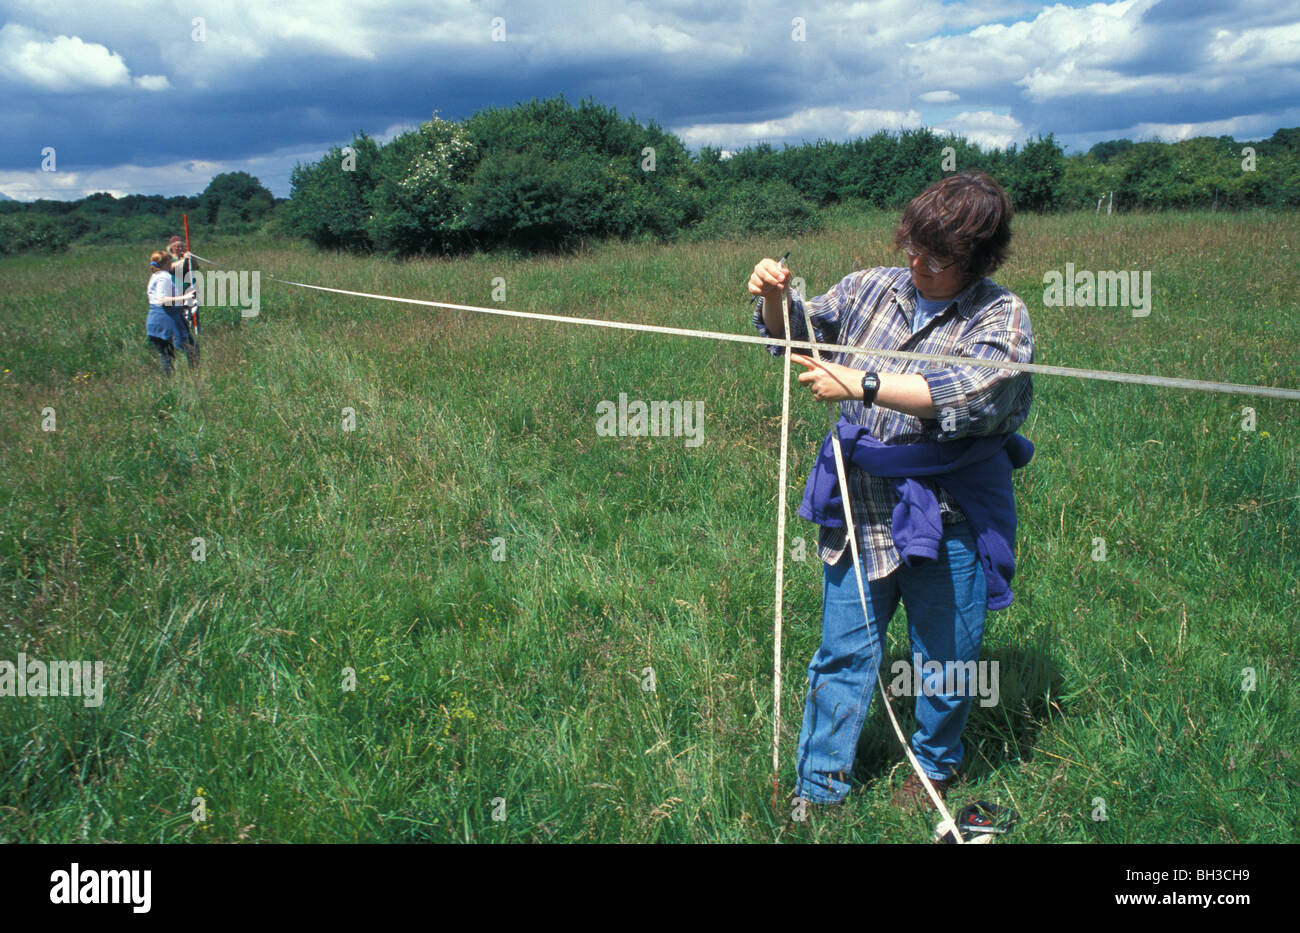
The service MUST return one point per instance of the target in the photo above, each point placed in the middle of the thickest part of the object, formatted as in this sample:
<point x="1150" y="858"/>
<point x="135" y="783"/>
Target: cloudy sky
<point x="157" y="96"/>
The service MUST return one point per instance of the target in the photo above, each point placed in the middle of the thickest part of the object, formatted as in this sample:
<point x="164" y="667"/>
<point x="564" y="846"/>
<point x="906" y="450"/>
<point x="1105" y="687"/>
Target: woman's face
<point x="935" y="285"/>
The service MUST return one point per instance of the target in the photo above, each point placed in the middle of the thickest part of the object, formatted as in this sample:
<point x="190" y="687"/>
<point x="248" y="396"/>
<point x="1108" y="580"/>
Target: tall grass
<point x="516" y="688"/>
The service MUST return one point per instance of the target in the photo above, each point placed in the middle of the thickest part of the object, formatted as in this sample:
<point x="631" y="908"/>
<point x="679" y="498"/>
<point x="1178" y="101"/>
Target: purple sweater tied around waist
<point x="975" y="471"/>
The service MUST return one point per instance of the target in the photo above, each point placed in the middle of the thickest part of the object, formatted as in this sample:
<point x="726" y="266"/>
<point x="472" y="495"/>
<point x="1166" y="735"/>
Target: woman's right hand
<point x="768" y="280"/>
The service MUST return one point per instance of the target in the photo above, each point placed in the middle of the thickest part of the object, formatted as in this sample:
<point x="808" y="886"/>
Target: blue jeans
<point x="945" y="600"/>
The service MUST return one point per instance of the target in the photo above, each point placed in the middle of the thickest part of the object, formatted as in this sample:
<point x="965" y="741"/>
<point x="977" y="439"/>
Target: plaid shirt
<point x="873" y="308"/>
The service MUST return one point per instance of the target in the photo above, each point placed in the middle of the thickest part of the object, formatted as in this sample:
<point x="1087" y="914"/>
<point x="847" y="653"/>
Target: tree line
<point x="547" y="174"/>
<point x="233" y="202"/>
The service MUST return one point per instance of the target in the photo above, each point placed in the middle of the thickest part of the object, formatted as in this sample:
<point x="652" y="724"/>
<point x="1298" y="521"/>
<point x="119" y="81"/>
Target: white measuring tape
<point x="780" y="561"/>
<point x="1173" y="382"/>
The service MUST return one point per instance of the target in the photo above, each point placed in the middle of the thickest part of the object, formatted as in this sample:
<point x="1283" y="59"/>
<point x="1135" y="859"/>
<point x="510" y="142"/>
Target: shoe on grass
<point x="912" y="795"/>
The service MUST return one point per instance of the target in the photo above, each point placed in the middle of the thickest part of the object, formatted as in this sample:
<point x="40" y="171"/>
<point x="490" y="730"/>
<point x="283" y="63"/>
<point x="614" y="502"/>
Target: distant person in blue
<point x="183" y="274"/>
<point x="920" y="439"/>
<point x="165" y="325"/>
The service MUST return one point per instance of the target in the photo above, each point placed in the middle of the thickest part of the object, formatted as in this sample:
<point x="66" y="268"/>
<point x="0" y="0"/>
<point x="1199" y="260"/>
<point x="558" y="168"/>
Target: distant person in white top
<point x="165" y="326"/>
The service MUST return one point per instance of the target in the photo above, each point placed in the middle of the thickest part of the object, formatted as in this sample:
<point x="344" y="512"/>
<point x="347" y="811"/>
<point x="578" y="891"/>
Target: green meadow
<point x="438" y="625"/>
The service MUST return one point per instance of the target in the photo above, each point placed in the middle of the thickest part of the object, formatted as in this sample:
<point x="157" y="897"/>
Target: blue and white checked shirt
<point x="874" y="308"/>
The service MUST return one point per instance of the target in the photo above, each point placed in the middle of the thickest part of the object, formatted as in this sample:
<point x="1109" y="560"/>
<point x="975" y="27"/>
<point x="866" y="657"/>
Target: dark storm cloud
<point x="130" y="99"/>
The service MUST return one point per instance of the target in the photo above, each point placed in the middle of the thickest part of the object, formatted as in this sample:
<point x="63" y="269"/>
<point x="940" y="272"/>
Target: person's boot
<point x="912" y="795"/>
<point x="192" y="354"/>
<point x="166" y="364"/>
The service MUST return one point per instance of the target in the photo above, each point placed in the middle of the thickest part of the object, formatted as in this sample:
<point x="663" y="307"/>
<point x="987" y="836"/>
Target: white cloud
<point x="186" y="177"/>
<point x="1254" y="49"/>
<point x="1070" y="80"/>
<point x="938" y="97"/>
<point x="1058" y="51"/>
<point x="631" y="32"/>
<point x="810" y="124"/>
<point x="55" y="186"/>
<point x="985" y="128"/>
<point x="1242" y="127"/>
<point x="239" y="33"/>
<point x="395" y="130"/>
<point x="62" y="64"/>
<point x="594" y="31"/>
<point x="153" y="82"/>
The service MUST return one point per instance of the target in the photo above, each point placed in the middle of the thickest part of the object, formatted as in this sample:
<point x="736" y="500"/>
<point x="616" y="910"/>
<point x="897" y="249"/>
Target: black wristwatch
<point x="870" y="386"/>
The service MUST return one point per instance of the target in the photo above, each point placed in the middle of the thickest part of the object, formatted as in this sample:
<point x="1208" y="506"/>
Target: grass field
<point x="514" y="688"/>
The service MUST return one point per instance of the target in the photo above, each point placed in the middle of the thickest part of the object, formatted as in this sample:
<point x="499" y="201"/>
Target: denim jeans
<point x="945" y="601"/>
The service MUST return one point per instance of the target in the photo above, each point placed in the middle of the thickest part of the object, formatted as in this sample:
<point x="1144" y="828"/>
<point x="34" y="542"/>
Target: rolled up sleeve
<point x="973" y="402"/>
<point x="825" y="310"/>
<point x="798" y="330"/>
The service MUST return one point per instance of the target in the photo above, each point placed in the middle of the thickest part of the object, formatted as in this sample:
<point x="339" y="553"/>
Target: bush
<point x="521" y="200"/>
<point x="416" y="206"/>
<point x="329" y="200"/>
<point x="749" y="208"/>
<point x="1037" y="182"/>
<point x="235" y="197"/>
<point x="19" y="234"/>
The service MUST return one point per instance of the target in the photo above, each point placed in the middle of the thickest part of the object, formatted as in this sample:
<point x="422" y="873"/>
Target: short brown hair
<point x="966" y="218"/>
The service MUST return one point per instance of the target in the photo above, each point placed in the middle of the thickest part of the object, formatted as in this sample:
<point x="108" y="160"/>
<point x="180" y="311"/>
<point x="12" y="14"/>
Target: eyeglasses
<point x="931" y="263"/>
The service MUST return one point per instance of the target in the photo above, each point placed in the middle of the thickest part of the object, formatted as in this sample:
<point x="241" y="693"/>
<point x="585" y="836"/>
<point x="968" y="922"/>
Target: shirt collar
<point x="968" y="299"/>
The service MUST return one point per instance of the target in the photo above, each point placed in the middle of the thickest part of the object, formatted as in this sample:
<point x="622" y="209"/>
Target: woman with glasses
<point x="907" y="416"/>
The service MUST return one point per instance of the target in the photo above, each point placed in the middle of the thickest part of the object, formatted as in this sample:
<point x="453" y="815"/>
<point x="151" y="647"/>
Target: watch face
<point x="870" y="385"/>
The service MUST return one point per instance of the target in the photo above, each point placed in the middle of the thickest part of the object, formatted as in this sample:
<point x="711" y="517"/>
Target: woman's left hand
<point x="829" y="382"/>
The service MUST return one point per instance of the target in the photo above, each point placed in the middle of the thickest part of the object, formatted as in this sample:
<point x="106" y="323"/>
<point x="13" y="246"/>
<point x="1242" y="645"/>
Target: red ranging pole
<point x="194" y="312"/>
